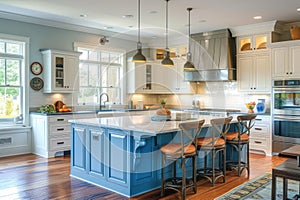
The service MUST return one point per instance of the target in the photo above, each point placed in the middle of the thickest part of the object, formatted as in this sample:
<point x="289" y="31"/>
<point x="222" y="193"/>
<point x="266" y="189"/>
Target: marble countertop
<point x="139" y="123"/>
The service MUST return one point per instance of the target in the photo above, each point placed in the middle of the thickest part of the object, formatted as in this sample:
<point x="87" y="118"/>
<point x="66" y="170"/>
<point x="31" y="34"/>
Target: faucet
<point x="107" y="99"/>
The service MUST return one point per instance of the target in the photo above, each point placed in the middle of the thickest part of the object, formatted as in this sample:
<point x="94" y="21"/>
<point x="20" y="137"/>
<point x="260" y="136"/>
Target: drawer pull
<point x="258" y="119"/>
<point x="60" y="142"/>
<point x="59" y="120"/>
<point x="257" y="142"/>
<point x="60" y="129"/>
<point x="258" y="129"/>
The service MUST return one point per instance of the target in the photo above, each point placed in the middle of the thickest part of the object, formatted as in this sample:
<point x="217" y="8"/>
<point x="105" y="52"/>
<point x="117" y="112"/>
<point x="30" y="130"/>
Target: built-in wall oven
<point x="285" y="114"/>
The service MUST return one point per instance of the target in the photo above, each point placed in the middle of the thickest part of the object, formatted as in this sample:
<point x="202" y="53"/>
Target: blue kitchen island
<point x="122" y="154"/>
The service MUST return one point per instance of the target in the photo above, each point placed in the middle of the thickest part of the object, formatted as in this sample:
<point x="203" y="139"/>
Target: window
<point x="100" y="71"/>
<point x="12" y="61"/>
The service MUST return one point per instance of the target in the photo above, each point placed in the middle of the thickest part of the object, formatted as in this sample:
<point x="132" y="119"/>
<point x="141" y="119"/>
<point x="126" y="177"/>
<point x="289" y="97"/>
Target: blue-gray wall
<point x="55" y="38"/>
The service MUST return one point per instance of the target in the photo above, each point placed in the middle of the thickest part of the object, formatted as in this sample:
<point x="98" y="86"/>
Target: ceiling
<point x="107" y="16"/>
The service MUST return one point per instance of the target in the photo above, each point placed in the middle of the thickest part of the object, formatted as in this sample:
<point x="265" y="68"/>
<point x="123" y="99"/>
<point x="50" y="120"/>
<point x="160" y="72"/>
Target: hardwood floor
<point x="32" y="177"/>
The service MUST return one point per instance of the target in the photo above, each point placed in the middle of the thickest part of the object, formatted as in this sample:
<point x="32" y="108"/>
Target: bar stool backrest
<point x="185" y="132"/>
<point x="246" y="122"/>
<point x="220" y="127"/>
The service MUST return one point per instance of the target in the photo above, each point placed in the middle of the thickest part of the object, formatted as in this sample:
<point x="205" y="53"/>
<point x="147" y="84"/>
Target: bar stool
<point x="238" y="140"/>
<point x="186" y="149"/>
<point x="214" y="145"/>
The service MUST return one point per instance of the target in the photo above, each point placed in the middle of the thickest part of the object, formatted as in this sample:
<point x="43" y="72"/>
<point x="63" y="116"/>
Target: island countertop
<point x="140" y="123"/>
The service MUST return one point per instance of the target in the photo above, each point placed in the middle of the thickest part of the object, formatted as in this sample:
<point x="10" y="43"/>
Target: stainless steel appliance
<point x="285" y="114"/>
<point x="213" y="56"/>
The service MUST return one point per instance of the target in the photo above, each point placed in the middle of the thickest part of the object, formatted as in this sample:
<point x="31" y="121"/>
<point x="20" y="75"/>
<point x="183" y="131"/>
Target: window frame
<point x="122" y="84"/>
<point x="24" y="76"/>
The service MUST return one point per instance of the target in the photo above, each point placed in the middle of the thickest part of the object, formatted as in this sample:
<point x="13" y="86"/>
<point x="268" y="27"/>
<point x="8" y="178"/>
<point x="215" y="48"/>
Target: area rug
<point x="260" y="188"/>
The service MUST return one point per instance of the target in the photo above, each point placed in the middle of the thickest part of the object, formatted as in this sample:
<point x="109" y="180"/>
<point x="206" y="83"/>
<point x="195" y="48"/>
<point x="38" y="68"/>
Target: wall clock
<point x="36" y="68"/>
<point x="36" y="83"/>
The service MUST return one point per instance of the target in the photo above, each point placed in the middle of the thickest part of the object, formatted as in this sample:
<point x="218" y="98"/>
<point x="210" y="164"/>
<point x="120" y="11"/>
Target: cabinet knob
<point x="291" y="72"/>
<point x="287" y="73"/>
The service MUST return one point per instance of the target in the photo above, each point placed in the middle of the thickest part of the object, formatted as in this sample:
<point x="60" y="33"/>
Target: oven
<point x="285" y="114"/>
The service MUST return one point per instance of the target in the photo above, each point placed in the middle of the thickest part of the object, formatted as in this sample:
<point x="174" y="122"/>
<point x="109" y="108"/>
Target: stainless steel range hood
<point x="214" y="56"/>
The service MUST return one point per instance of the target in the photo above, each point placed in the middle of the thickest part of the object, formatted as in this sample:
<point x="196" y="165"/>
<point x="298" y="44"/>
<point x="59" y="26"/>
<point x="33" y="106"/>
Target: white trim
<point x="25" y="72"/>
<point x="14" y="37"/>
<point x="123" y="69"/>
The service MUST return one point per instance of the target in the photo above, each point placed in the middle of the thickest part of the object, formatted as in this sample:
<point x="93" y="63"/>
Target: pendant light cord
<point x="139" y="20"/>
<point x="167" y="24"/>
<point x="189" y="9"/>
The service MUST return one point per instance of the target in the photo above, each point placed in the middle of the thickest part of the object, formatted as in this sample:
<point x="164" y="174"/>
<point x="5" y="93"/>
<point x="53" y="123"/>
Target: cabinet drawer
<point x="60" y="129"/>
<point x="259" y="130"/>
<point x="259" y="143"/>
<point x="60" y="119"/>
<point x="60" y="143"/>
<point x="263" y="119"/>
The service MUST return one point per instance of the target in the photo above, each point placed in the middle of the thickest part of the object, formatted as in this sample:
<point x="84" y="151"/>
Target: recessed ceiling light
<point x="257" y="17"/>
<point x="298" y="9"/>
<point x="108" y="27"/>
<point x="127" y="16"/>
<point x="83" y="15"/>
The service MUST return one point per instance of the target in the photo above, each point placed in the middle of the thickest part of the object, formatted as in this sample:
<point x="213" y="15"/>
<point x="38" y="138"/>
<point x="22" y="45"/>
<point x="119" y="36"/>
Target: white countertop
<point x="139" y="123"/>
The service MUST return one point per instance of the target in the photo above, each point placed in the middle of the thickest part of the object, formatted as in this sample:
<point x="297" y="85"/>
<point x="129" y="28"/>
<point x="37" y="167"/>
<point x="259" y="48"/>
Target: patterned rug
<point x="260" y="188"/>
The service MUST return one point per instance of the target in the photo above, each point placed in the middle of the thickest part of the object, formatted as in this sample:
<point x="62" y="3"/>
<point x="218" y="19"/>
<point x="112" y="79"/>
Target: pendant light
<point x="167" y="60"/>
<point x="189" y="65"/>
<point x="139" y="57"/>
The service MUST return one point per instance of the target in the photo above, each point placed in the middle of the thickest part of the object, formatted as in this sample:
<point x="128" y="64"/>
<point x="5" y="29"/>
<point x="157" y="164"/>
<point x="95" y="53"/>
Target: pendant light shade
<point x="167" y="60"/>
<point x="139" y="57"/>
<point x="189" y="65"/>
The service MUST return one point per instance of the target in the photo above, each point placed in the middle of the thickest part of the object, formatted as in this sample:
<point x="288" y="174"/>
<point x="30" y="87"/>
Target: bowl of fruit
<point x="250" y="106"/>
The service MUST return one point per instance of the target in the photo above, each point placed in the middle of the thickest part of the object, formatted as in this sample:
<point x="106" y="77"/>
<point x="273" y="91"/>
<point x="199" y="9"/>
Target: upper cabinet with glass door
<point x="61" y="71"/>
<point x="253" y="43"/>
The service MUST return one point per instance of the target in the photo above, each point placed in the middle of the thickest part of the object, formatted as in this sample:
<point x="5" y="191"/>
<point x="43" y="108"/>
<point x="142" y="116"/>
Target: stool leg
<point x="213" y="155"/>
<point x="183" y="192"/>
<point x="248" y="160"/>
<point x="194" y="174"/>
<point x="284" y="189"/>
<point x="224" y="165"/>
<point x="273" y="186"/>
<point x="205" y="161"/>
<point x="239" y="160"/>
<point x="162" y="190"/>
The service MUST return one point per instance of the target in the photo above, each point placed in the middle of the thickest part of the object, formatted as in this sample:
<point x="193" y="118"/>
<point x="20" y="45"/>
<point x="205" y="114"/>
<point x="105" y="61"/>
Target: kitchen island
<point x="122" y="154"/>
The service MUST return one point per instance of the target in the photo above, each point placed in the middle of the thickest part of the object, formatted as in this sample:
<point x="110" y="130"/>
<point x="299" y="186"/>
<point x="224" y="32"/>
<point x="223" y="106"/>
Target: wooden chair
<point x="186" y="149"/>
<point x="238" y="140"/>
<point x="214" y="145"/>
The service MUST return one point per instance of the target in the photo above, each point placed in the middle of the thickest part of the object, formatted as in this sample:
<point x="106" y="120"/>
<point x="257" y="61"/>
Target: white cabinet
<point x="176" y="80"/>
<point x="51" y="133"/>
<point x="60" y="71"/>
<point x="286" y="61"/>
<point x="260" y="137"/>
<point x="154" y="78"/>
<point x="252" y="43"/>
<point x="254" y="73"/>
<point x="139" y="77"/>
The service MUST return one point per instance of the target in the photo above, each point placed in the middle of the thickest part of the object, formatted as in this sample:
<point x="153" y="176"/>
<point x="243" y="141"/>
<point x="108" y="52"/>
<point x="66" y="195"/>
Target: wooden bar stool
<point x="214" y="145"/>
<point x="186" y="149"/>
<point x="238" y="140"/>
